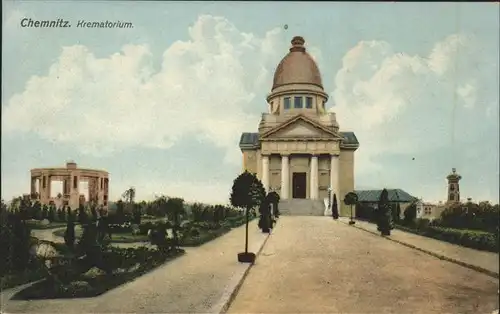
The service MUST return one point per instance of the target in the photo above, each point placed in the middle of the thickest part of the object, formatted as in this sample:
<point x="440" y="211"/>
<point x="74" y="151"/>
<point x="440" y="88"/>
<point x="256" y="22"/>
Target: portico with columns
<point x="298" y="150"/>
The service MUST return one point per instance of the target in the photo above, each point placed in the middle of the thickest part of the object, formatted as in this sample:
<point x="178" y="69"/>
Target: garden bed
<point x="204" y="237"/>
<point x="16" y="279"/>
<point x="94" y="282"/>
<point x="115" y="237"/>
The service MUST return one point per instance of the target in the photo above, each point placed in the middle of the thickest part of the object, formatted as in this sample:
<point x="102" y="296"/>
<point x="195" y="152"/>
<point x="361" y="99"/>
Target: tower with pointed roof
<point x="298" y="150"/>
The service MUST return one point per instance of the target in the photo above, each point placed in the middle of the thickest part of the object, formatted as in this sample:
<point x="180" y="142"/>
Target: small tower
<point x="453" y="186"/>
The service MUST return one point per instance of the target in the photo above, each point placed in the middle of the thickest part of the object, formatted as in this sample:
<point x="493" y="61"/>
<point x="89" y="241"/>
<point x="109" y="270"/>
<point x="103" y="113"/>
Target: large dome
<point x="297" y="67"/>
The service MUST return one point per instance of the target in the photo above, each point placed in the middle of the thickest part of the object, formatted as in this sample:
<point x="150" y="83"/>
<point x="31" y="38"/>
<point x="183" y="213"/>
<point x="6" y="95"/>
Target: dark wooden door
<point x="299" y="184"/>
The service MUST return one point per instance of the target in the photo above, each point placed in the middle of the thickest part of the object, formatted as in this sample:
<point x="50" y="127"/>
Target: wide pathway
<point x="481" y="259"/>
<point x="194" y="283"/>
<point x="318" y="265"/>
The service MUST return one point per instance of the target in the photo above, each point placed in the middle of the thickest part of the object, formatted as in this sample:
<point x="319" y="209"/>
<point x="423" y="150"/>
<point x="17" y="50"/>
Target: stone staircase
<point x="302" y="207"/>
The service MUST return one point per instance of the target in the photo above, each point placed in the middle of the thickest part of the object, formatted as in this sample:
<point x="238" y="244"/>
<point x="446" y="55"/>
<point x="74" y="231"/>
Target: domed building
<point x="298" y="150"/>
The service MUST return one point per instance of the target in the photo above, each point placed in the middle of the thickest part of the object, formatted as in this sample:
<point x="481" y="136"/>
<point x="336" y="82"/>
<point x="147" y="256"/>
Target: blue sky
<point x="161" y="106"/>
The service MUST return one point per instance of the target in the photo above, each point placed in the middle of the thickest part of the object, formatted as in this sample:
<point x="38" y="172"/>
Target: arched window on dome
<point x="297" y="102"/>
<point x="287" y="103"/>
<point x="309" y="102"/>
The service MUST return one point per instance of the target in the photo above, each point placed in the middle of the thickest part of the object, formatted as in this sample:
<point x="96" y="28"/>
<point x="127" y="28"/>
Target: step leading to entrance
<point x="302" y="207"/>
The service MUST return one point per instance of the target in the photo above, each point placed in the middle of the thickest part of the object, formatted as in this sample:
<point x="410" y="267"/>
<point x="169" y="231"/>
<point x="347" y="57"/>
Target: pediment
<point x="300" y="127"/>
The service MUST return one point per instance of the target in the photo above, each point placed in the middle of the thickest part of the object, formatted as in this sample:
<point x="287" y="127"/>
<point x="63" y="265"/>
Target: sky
<point x="161" y="106"/>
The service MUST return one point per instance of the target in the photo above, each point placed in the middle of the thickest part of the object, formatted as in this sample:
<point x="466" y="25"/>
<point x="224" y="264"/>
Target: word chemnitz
<point x="28" y="22"/>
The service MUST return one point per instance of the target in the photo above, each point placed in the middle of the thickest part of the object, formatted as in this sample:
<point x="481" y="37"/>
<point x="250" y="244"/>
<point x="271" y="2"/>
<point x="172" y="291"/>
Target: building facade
<point x="71" y="176"/>
<point x="298" y="150"/>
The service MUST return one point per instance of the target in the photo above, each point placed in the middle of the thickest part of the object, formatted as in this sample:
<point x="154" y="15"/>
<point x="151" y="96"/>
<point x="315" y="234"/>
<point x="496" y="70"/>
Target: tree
<point x="51" y="216"/>
<point x="69" y="214"/>
<point x="265" y="216"/>
<point x="129" y="196"/>
<point x="351" y="199"/>
<point x="120" y="211"/>
<point x="175" y="211"/>
<point x="93" y="211"/>
<point x="45" y="212"/>
<point x="136" y="214"/>
<point x="31" y="211"/>
<point x="384" y="221"/>
<point x="69" y="235"/>
<point x="335" y="207"/>
<point x="82" y="215"/>
<point x="247" y="192"/>
<point x="410" y="214"/>
<point x="397" y="214"/>
<point x="15" y="242"/>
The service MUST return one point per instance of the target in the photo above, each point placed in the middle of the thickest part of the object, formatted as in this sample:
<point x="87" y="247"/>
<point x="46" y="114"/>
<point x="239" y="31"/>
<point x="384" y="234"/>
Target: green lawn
<point x="38" y="225"/>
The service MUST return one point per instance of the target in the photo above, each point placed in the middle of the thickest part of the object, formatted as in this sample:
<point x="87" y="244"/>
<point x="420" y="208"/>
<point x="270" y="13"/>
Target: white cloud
<point x="205" y="86"/>
<point x="401" y="103"/>
<point x="12" y="18"/>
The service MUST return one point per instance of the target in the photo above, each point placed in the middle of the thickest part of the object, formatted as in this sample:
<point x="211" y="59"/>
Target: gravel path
<point x="193" y="283"/>
<point x="317" y="265"/>
<point x="483" y="259"/>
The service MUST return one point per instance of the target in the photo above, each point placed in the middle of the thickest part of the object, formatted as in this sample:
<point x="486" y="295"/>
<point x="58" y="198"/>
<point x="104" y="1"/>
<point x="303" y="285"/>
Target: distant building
<point x="368" y="200"/>
<point x="71" y="176"/>
<point x="429" y="210"/>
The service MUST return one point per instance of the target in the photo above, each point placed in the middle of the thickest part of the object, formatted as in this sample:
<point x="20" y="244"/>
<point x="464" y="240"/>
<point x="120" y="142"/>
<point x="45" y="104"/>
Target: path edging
<point x="229" y="296"/>
<point x="440" y="256"/>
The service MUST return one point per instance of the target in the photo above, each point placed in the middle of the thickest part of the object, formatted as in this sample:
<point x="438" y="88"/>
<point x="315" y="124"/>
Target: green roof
<point x="251" y="140"/>
<point x="349" y="138"/>
<point x="395" y="195"/>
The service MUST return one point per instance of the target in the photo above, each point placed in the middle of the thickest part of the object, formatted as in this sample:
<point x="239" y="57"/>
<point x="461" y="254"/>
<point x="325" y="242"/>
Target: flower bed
<point x="93" y="283"/>
<point x="202" y="236"/>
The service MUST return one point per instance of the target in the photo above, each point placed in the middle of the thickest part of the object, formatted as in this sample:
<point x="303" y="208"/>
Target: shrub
<point x="470" y="238"/>
<point x="384" y="216"/>
<point x="422" y="223"/>
<point x="120" y="228"/>
<point x="482" y="216"/>
<point x="145" y="227"/>
<point x="410" y="214"/>
<point x="15" y="242"/>
<point x="69" y="235"/>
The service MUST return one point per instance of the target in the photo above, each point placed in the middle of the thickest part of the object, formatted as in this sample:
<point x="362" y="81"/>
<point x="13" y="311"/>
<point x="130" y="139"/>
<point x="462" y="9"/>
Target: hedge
<point x="479" y="240"/>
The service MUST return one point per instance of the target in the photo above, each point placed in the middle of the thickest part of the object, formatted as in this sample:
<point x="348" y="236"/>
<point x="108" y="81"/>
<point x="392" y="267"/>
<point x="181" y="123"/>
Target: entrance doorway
<point x="299" y="182"/>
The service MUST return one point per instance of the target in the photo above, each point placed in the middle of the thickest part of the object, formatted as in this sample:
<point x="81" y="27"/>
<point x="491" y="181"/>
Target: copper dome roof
<point x="297" y="67"/>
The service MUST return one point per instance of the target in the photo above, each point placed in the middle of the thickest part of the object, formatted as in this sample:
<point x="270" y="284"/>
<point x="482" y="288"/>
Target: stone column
<point x="49" y="186"/>
<point x="334" y="178"/>
<point x="314" y="178"/>
<point x="285" y="177"/>
<point x="33" y="185"/>
<point x="265" y="172"/>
